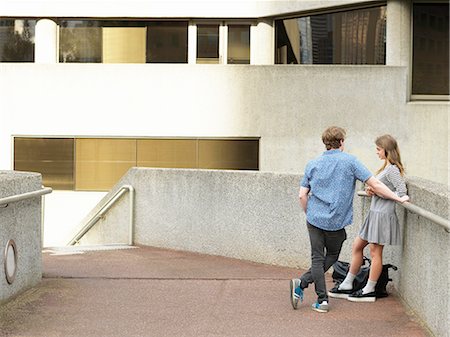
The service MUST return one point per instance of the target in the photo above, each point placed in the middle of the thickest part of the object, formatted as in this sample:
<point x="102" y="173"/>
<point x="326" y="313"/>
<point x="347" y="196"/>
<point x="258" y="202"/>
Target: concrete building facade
<point x="283" y="107"/>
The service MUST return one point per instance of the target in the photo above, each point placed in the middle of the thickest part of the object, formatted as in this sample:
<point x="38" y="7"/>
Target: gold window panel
<point x="52" y="157"/>
<point x="96" y="164"/>
<point x="100" y="163"/>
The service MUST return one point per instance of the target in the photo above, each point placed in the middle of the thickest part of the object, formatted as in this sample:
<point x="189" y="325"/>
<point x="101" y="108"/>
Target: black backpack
<point x="340" y="270"/>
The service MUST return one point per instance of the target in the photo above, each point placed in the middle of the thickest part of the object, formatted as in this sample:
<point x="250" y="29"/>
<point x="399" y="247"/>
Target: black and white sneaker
<point x="339" y="293"/>
<point x="358" y="296"/>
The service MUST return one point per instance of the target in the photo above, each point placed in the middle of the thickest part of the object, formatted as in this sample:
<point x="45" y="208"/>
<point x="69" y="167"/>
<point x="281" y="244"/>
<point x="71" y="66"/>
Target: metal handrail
<point x="19" y="197"/>
<point x="420" y="211"/>
<point x="101" y="212"/>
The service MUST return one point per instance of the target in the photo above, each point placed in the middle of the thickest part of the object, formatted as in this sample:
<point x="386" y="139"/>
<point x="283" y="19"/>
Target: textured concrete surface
<point x="255" y="216"/>
<point x="425" y="257"/>
<point x="155" y="292"/>
<point x="21" y="222"/>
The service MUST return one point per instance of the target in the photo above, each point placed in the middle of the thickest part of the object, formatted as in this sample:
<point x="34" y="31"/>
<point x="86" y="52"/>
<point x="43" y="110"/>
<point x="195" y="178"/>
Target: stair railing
<point x="101" y="213"/>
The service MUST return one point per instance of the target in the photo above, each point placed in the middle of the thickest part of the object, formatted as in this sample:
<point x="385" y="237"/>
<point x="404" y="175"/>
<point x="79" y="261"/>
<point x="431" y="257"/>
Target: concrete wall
<point x="425" y="258"/>
<point x="256" y="216"/>
<point x="20" y="221"/>
<point x="287" y="106"/>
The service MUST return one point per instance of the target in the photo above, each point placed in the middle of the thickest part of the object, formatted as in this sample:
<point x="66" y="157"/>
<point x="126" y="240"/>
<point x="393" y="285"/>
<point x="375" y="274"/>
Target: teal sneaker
<point x="296" y="292"/>
<point x="320" y="307"/>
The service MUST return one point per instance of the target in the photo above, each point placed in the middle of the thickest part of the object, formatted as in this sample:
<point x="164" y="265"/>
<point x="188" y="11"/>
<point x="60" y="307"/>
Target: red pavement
<point x="148" y="291"/>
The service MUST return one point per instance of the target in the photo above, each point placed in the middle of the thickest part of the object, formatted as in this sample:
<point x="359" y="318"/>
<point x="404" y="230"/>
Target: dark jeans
<point x="325" y="249"/>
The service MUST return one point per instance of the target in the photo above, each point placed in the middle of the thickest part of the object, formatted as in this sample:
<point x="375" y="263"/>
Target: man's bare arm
<point x="383" y="191"/>
<point x="303" y="196"/>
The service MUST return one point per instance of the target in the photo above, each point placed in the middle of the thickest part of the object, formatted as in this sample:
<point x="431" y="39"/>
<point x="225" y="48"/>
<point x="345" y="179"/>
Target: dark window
<point x="17" y="40"/>
<point x="207" y="43"/>
<point x="348" y="37"/>
<point x="430" y="74"/>
<point x="238" y="44"/>
<point x="167" y="42"/>
<point x="108" y="41"/>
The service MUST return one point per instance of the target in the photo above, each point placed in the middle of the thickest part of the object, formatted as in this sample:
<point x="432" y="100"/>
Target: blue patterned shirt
<point x="331" y="180"/>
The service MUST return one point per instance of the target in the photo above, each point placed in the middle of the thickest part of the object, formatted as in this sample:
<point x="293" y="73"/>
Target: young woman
<point x="380" y="227"/>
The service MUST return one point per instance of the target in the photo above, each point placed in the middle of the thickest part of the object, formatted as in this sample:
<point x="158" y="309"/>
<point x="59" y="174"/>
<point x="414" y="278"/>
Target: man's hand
<point x="303" y="196"/>
<point x="403" y="199"/>
<point x="369" y="191"/>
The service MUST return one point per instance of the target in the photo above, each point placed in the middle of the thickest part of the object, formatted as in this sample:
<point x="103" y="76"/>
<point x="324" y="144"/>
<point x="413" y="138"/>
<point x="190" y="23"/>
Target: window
<point x="17" y="40"/>
<point x="208" y="43"/>
<point x="111" y="41"/>
<point x="238" y="44"/>
<point x="103" y="41"/>
<point x="101" y="162"/>
<point x="52" y="157"/>
<point x="96" y="164"/>
<point x="80" y="41"/>
<point x="430" y="70"/>
<point x="167" y="42"/>
<point x="348" y="37"/>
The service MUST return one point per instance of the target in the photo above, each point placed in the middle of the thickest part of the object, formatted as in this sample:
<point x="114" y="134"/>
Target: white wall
<point x="63" y="213"/>
<point x="287" y="106"/>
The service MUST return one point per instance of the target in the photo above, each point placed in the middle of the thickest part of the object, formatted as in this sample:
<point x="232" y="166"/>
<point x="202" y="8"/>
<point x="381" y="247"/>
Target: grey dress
<point x="381" y="224"/>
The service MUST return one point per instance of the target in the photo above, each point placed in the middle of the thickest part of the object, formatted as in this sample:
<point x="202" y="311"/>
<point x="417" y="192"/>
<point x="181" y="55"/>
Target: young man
<point x="326" y="196"/>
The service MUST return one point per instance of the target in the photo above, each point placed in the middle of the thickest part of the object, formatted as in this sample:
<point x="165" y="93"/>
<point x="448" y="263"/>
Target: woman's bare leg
<point x="376" y="266"/>
<point x="355" y="265"/>
<point x="357" y="255"/>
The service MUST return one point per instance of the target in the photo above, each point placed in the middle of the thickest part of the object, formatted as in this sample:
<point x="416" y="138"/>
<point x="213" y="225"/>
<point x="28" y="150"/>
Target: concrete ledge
<point x="21" y="222"/>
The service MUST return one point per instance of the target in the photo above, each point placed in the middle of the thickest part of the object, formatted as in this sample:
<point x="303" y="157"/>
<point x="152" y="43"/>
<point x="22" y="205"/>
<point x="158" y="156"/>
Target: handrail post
<point x="131" y="216"/>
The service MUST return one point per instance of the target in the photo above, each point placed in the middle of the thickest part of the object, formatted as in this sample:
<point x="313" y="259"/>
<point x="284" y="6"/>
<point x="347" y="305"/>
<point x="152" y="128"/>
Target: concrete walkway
<point x="147" y="291"/>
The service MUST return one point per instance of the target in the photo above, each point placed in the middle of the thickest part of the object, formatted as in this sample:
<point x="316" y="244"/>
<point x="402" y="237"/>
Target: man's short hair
<point x="332" y="137"/>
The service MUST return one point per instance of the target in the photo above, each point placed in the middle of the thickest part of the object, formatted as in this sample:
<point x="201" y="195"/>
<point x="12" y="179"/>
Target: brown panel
<point x="100" y="163"/>
<point x="52" y="157"/>
<point x="228" y="154"/>
<point x="124" y="44"/>
<point x="172" y="153"/>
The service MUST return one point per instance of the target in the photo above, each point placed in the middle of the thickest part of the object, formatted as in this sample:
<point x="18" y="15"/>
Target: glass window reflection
<point x="238" y="44"/>
<point x="430" y="74"/>
<point x="348" y="37"/>
<point x="80" y="41"/>
<point x="207" y="43"/>
<point x="96" y="164"/>
<point x="167" y="42"/>
<point x="108" y="41"/>
<point x="17" y="40"/>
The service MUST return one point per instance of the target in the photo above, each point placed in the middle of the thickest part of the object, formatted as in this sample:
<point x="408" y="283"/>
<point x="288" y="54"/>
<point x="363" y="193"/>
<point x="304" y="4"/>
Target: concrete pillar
<point x="46" y="42"/>
<point x="398" y="33"/>
<point x="192" y="43"/>
<point x="262" y="42"/>
<point x="223" y="44"/>
<point x="399" y="36"/>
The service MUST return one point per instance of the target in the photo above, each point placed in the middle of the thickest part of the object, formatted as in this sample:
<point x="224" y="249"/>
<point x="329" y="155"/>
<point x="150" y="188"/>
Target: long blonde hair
<point x="392" y="152"/>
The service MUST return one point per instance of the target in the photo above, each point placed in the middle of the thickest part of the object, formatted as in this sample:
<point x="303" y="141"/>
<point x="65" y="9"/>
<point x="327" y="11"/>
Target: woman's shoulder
<point x="393" y="172"/>
<point x="392" y="168"/>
